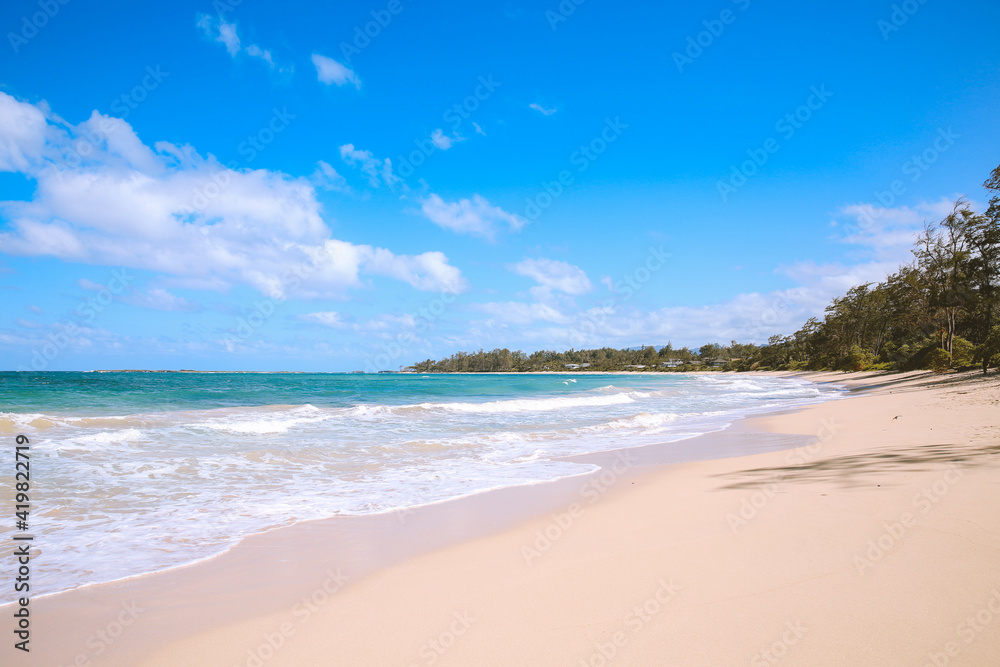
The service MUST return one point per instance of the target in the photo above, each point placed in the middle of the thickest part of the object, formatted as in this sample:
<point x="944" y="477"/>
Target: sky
<point x="361" y="185"/>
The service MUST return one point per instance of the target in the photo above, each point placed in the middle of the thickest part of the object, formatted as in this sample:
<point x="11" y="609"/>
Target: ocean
<point x="133" y="473"/>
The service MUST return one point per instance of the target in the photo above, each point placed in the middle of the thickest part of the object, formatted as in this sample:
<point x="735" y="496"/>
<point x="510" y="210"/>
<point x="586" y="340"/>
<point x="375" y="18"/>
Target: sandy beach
<point x="420" y="334"/>
<point x="876" y="543"/>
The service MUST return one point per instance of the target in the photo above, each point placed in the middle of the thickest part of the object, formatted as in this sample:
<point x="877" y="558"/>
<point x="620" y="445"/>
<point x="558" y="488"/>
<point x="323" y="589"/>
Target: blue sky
<point x="253" y="186"/>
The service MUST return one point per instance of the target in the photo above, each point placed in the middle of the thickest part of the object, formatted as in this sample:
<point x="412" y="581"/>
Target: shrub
<point x="939" y="360"/>
<point x="857" y="359"/>
<point x="989" y="349"/>
<point x="961" y="352"/>
<point x="921" y="356"/>
<point x="884" y="366"/>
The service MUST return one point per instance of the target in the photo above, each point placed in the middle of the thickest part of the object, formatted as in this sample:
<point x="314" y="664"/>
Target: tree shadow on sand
<point x="904" y="382"/>
<point x="859" y="469"/>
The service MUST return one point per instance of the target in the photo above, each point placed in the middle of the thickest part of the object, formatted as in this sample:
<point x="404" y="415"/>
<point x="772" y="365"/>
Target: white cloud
<point x="329" y="71"/>
<point x="90" y="285"/>
<point x="227" y="35"/>
<point x="443" y="141"/>
<point x="889" y="233"/>
<point x="327" y="178"/>
<point x="747" y="317"/>
<point x="257" y="52"/>
<point x="388" y="320"/>
<point x="23" y="132"/>
<point x="160" y="299"/>
<point x="378" y="172"/>
<point x="427" y="271"/>
<point x="554" y="274"/>
<point x="328" y="319"/>
<point x="523" y="314"/>
<point x="883" y="238"/>
<point x="77" y="338"/>
<point x="474" y="216"/>
<point x="478" y="128"/>
<point x="383" y="326"/>
<point x="169" y="210"/>
<point x="542" y="110"/>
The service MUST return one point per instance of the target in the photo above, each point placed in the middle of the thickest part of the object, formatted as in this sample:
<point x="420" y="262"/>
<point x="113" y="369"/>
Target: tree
<point x="710" y="351"/>
<point x="943" y="254"/>
<point x="989" y="350"/>
<point x="985" y="265"/>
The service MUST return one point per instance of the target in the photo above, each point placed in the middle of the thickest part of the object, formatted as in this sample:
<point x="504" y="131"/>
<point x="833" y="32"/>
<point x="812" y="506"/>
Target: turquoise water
<point x="137" y="472"/>
<point x="110" y="393"/>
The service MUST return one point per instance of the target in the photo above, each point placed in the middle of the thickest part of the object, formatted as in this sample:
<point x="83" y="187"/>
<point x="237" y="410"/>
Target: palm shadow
<point x="907" y="382"/>
<point x="858" y="469"/>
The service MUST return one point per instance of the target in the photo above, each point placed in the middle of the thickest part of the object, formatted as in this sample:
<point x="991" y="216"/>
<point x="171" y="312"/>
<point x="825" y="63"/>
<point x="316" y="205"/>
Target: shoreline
<point x="196" y="595"/>
<point x="659" y="454"/>
<point x="417" y="536"/>
<point x="563" y="372"/>
<point x="495" y="505"/>
<point x="683" y="448"/>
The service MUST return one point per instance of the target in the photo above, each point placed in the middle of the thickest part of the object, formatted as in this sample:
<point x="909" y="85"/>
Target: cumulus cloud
<point x="880" y="238"/>
<point x="331" y="72"/>
<point x="226" y="34"/>
<point x="888" y="233"/>
<point x="378" y="171"/>
<point x="23" y="135"/>
<point x="747" y="317"/>
<point x="474" y="216"/>
<point x="554" y="274"/>
<point x="883" y="236"/>
<point x="103" y="197"/>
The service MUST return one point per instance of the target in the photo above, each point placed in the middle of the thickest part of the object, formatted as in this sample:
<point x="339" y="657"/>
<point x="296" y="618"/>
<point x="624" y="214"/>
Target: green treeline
<point x="941" y="311"/>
